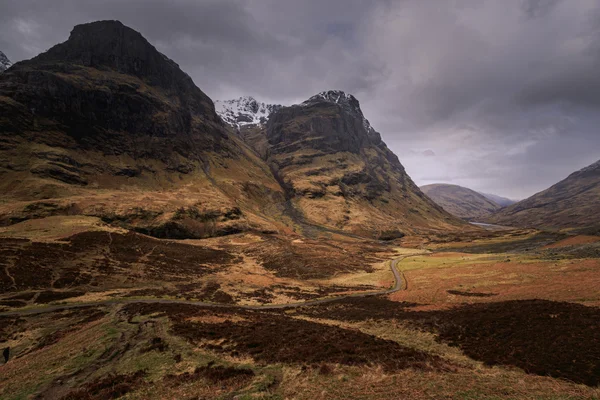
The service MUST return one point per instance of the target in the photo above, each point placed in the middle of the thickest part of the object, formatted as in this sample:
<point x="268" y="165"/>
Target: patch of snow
<point x="244" y="111"/>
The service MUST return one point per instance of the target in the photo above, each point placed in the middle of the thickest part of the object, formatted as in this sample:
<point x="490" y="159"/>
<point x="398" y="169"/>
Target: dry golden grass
<point x="498" y="276"/>
<point x="575" y="240"/>
<point x="56" y="228"/>
<point x="372" y="383"/>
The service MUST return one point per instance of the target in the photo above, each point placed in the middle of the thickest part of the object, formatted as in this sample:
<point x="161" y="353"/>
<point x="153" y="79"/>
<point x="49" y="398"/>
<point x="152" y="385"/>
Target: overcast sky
<point x="501" y="96"/>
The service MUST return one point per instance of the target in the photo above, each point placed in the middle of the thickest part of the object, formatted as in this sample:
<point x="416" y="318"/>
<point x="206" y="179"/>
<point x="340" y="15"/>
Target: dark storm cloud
<point x="502" y="96"/>
<point x="538" y="8"/>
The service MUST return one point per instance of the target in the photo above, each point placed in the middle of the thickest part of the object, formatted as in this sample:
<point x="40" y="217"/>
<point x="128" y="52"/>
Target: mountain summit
<point x="110" y="45"/>
<point x="345" y="100"/>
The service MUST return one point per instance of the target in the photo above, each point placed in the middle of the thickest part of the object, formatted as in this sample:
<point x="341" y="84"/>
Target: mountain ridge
<point x="105" y="125"/>
<point x="571" y="203"/>
<point x="460" y="201"/>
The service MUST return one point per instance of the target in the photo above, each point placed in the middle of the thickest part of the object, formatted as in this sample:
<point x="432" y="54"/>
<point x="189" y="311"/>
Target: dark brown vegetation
<point x="557" y="339"/>
<point x="108" y="387"/>
<point x="273" y="338"/>
<point x="311" y="259"/>
<point x="360" y="309"/>
<point x="471" y="294"/>
<point x="155" y="344"/>
<point x="48" y="296"/>
<point x="95" y="258"/>
<point x="209" y="291"/>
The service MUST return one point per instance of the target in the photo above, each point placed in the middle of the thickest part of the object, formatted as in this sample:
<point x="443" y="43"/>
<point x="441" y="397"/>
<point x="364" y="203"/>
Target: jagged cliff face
<point x="338" y="172"/>
<point x="573" y="202"/>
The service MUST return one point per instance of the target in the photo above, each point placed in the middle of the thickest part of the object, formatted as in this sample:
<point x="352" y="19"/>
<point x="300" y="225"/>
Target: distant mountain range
<point x="461" y="202"/>
<point x="573" y="202"/>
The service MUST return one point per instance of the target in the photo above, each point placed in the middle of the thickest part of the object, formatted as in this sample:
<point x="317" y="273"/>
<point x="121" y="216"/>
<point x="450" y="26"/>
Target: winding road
<point x="400" y="283"/>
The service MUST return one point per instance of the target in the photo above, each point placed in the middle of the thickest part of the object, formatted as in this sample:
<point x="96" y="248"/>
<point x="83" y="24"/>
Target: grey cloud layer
<point x="504" y="93"/>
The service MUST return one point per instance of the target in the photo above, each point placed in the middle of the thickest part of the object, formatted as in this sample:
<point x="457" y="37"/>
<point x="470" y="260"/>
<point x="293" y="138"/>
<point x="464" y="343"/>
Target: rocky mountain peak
<point x="245" y="111"/>
<point x="334" y="96"/>
<point x="112" y="45"/>
<point x="345" y="100"/>
<point x="4" y="62"/>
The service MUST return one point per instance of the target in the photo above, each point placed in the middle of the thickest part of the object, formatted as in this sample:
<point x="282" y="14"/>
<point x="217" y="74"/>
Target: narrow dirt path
<point x="398" y="285"/>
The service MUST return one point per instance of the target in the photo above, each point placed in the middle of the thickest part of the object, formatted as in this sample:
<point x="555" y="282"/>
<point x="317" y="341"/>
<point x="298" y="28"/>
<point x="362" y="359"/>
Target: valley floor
<point x="509" y="314"/>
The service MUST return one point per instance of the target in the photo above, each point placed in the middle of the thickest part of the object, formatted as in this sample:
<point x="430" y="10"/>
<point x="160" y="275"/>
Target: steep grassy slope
<point x="572" y="203"/>
<point x="460" y="201"/>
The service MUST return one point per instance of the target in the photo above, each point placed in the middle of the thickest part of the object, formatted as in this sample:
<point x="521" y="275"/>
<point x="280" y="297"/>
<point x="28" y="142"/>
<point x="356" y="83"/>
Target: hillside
<point x="460" y="201"/>
<point x="571" y="203"/>
<point x="104" y="125"/>
<point x="338" y="172"/>
<point x="501" y="201"/>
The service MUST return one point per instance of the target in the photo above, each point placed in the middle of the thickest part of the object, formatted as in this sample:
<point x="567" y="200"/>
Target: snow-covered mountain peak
<point x="333" y="96"/>
<point x="4" y="62"/>
<point x="245" y="111"/>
